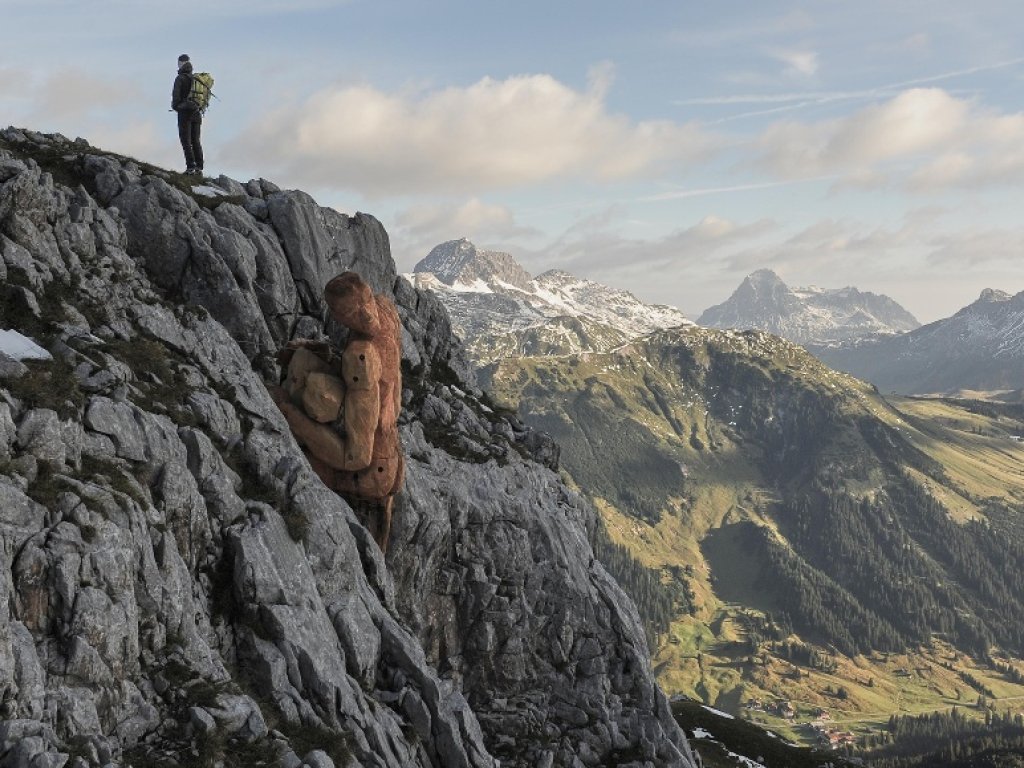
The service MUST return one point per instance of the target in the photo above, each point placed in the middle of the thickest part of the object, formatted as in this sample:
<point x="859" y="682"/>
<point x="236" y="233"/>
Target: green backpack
<point x="202" y="90"/>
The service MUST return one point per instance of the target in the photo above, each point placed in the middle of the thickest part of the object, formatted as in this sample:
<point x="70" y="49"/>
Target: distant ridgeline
<point x="980" y="349"/>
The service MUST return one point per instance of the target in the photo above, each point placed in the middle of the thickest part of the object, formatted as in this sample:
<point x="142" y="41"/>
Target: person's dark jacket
<point x="182" y="88"/>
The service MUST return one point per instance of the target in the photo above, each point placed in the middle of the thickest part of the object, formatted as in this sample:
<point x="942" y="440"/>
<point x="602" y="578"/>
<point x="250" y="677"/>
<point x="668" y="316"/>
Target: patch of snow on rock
<point x="19" y="347"/>
<point x="718" y="712"/>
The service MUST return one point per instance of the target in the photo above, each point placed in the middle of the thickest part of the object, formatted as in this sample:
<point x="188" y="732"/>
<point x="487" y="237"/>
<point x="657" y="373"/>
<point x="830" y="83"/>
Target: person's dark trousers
<point x="189" y="127"/>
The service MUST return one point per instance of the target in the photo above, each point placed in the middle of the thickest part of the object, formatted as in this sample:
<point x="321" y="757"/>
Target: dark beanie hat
<point x="183" y="57"/>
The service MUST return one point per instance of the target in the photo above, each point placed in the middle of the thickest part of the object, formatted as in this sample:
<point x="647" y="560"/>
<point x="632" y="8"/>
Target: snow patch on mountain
<point x="500" y="310"/>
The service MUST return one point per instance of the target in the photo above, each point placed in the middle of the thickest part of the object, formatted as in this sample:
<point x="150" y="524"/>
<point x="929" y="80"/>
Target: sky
<point x="668" y="148"/>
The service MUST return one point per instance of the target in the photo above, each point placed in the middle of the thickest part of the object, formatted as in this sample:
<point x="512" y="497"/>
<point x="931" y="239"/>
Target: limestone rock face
<point x="176" y="580"/>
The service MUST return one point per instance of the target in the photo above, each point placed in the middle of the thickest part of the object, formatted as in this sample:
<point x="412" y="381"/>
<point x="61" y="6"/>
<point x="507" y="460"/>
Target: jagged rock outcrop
<point x="177" y="585"/>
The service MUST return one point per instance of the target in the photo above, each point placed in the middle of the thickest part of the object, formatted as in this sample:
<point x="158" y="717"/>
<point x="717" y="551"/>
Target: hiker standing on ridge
<point x="190" y="117"/>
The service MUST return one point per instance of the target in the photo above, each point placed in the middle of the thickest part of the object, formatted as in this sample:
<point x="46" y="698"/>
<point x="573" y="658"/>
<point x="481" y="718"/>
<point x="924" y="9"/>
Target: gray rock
<point x="8" y="431"/>
<point x="21" y="300"/>
<point x="9" y="168"/>
<point x="13" y="731"/>
<point x="118" y="422"/>
<point x="202" y="720"/>
<point x="318" y="759"/>
<point x="28" y="752"/>
<point x="76" y="713"/>
<point x="19" y="514"/>
<point x="39" y="434"/>
<point x="11" y="368"/>
<point x="28" y="673"/>
<point x="359" y="637"/>
<point x="230" y="186"/>
<point x="414" y="708"/>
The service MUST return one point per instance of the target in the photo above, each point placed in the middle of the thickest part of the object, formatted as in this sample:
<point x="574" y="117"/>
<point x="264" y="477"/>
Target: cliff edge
<point x="178" y="587"/>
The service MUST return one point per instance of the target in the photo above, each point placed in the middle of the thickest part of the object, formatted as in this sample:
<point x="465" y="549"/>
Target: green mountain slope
<point x="845" y="550"/>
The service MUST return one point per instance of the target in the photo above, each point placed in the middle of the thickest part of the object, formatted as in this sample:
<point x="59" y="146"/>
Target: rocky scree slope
<point x="807" y="315"/>
<point x="176" y="585"/>
<point x="501" y="311"/>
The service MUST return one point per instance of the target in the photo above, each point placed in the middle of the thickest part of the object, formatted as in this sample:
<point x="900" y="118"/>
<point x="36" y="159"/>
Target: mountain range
<point x="980" y="349"/>
<point x="801" y="532"/>
<point x="500" y="310"/>
<point x="807" y="315"/>
<point x="977" y="352"/>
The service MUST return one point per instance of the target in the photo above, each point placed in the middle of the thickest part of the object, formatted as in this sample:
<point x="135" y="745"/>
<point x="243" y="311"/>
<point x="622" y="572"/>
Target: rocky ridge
<point x="980" y="348"/>
<point x="501" y="311"/>
<point x="807" y="315"/>
<point x="176" y="584"/>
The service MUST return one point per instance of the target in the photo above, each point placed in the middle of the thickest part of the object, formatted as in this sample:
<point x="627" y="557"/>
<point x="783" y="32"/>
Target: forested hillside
<point x="782" y="503"/>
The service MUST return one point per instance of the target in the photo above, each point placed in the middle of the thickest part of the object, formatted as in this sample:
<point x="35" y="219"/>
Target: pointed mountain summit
<point x="460" y="263"/>
<point x="992" y="296"/>
<point x="500" y="310"/>
<point x="979" y="349"/>
<point x="807" y="315"/>
<point x="762" y="301"/>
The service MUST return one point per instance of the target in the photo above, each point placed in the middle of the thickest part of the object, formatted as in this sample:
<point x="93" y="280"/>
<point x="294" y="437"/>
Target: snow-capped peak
<point x="460" y="261"/>
<point x="488" y="294"/>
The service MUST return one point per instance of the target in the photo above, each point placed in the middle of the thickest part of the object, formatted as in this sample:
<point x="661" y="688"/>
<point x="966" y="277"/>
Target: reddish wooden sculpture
<point x="343" y="409"/>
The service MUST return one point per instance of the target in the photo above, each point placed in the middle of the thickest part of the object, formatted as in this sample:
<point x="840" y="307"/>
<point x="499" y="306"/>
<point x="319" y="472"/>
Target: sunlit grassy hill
<point x="839" y="549"/>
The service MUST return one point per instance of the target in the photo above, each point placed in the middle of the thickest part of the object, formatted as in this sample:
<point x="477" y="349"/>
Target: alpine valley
<point x="812" y="551"/>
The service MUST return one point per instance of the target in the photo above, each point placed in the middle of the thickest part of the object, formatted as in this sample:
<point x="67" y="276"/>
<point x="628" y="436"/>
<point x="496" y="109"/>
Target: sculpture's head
<point x="351" y="302"/>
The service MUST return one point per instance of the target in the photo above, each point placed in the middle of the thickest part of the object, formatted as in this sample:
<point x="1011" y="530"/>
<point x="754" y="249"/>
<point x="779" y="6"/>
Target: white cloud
<point x="798" y="63"/>
<point x="142" y="139"/>
<point x="64" y="93"/>
<point x="775" y="102"/>
<point x="682" y="268"/>
<point x="419" y="228"/>
<point x="914" y="121"/>
<point x="12" y="81"/>
<point x="927" y="135"/>
<point x="847" y="250"/>
<point x="491" y="134"/>
<point x="918" y="42"/>
<point x="974" y="247"/>
<point x="593" y="248"/>
<point x="72" y="92"/>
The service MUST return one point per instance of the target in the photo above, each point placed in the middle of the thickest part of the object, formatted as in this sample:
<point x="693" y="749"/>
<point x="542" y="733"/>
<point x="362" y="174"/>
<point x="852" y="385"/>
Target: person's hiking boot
<point x="190" y="171"/>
